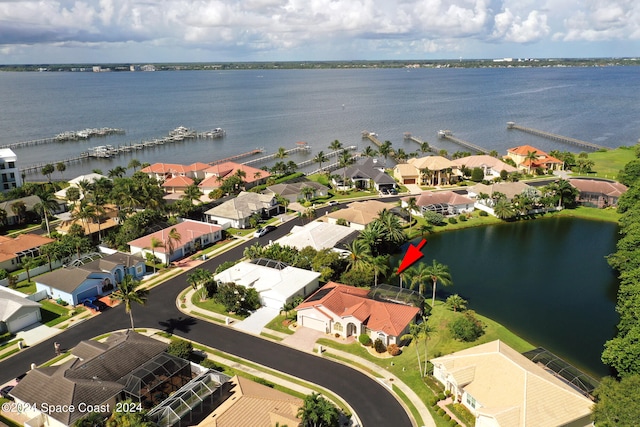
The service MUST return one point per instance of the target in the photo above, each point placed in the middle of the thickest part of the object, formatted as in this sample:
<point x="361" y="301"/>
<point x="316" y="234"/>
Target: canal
<point x="547" y="280"/>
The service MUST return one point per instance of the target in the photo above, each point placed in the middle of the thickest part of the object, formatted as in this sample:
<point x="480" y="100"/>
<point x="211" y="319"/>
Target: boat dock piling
<point x="238" y="156"/>
<point x="432" y="148"/>
<point x="448" y="135"/>
<point x="555" y="137"/>
<point x="298" y="148"/>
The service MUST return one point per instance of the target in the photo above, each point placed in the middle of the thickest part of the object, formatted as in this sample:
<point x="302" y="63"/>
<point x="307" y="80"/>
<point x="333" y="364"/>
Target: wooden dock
<point x="409" y="137"/>
<point x="238" y="156"/>
<point x="38" y="166"/>
<point x="67" y="136"/>
<point x="371" y="136"/>
<point x="555" y="137"/>
<point x="299" y="148"/>
<point x="333" y="166"/>
<point x="448" y="135"/>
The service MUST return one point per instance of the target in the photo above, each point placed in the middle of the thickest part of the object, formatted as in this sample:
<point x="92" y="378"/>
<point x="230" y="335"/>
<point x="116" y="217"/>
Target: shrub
<point x="441" y="412"/>
<point x="3" y="273"/>
<point x="433" y="401"/>
<point x="210" y="364"/>
<point x="365" y="340"/>
<point x="452" y="220"/>
<point x="466" y="328"/>
<point x="483" y="213"/>
<point x="453" y="423"/>
<point x="337" y="335"/>
<point x="477" y="175"/>
<point x="393" y="349"/>
<point x="180" y="348"/>
<point x="462" y="218"/>
<point x="379" y="346"/>
<point x="433" y="218"/>
<point x="447" y="417"/>
<point x="406" y="340"/>
<point x="441" y="396"/>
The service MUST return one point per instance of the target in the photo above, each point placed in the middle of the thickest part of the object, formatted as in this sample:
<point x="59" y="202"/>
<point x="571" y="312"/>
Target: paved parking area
<point x="255" y="323"/>
<point x="303" y="339"/>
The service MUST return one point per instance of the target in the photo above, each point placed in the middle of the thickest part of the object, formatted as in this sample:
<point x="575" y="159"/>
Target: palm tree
<point x="344" y="159"/>
<point x="46" y="207"/>
<point x="47" y="170"/>
<point x="117" y="172"/>
<point x="424" y="147"/>
<point x="412" y="206"/>
<point x="415" y="331"/>
<point x="425" y="332"/>
<point x="320" y="158"/>
<point x="128" y="294"/>
<point x="417" y="276"/>
<point x="369" y="152"/>
<point x="191" y="194"/>
<point x="439" y="273"/>
<point x="504" y="209"/>
<point x="426" y="229"/>
<point x="134" y="164"/>
<point x="84" y="213"/>
<point x="456" y="302"/>
<point x="199" y="277"/>
<point x="401" y="155"/>
<point x="29" y="263"/>
<point x="392" y="230"/>
<point x="19" y="209"/>
<point x="359" y="255"/>
<point x="531" y="156"/>
<point x="316" y="411"/>
<point x="61" y="167"/>
<point x="281" y="154"/>
<point x="155" y="243"/>
<point x="307" y="192"/>
<point x="3" y="217"/>
<point x="385" y="150"/>
<point x="173" y="237"/>
<point x="335" y="145"/>
<point x="380" y="266"/>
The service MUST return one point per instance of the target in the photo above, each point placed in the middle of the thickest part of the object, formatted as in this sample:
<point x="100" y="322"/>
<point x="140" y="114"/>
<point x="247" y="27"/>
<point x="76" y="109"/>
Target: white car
<point x="262" y="231"/>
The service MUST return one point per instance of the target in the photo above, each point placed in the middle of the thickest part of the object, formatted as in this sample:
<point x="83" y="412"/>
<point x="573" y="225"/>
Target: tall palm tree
<point x="172" y="238"/>
<point x="424" y="147"/>
<point x="392" y="230"/>
<point x="281" y="153"/>
<point x="380" y="266"/>
<point x="155" y="243"/>
<point x="415" y="331"/>
<point x="191" y="194"/>
<point x="3" y="217"/>
<point x="439" y="273"/>
<point x="359" y="255"/>
<point x="128" y="294"/>
<point x="425" y="332"/>
<point x="19" y="209"/>
<point x="47" y="170"/>
<point x="412" y="206"/>
<point x="385" y="149"/>
<point x="531" y="156"/>
<point x="320" y="158"/>
<point x="344" y="159"/>
<point x="369" y="152"/>
<point x="61" y="167"/>
<point x="134" y="164"/>
<point x="417" y="276"/>
<point x="46" y="207"/>
<point x="401" y="155"/>
<point x="335" y="145"/>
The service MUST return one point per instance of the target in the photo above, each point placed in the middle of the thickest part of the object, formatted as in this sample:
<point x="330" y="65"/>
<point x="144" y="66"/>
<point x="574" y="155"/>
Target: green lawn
<point x="276" y="325"/>
<point x="608" y="214"/>
<point x="52" y="313"/>
<point x="213" y="306"/>
<point x="608" y="163"/>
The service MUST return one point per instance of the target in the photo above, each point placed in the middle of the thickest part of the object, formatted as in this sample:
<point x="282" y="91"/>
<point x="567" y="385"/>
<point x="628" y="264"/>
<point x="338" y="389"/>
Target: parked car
<point x="333" y="203"/>
<point x="5" y="392"/>
<point x="19" y="377"/>
<point x="91" y="303"/>
<point x="262" y="231"/>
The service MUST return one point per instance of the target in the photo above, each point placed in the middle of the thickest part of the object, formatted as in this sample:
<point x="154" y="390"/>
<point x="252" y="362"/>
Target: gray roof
<point x="10" y="304"/>
<point x="367" y="169"/>
<point x="295" y="188"/>
<point x="242" y="206"/>
<point x="65" y="279"/>
<point x="92" y="381"/>
<point x="109" y="262"/>
<point x="29" y="203"/>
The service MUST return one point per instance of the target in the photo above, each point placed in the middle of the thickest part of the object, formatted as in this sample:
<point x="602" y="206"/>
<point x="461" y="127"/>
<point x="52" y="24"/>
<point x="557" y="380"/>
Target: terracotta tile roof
<point x="230" y="168"/>
<point x="166" y="168"/>
<point x="608" y="188"/>
<point x="345" y="301"/>
<point x="523" y="150"/>
<point x="211" y="182"/>
<point x="10" y="248"/>
<point x="187" y="229"/>
<point x="178" y="181"/>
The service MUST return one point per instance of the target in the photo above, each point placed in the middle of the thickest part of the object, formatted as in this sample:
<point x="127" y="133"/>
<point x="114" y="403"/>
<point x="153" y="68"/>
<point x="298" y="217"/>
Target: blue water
<point x="274" y="108"/>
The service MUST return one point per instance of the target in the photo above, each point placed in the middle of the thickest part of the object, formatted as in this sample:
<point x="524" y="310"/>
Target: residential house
<point x="194" y="235"/>
<point x="216" y="174"/>
<point x="348" y="311"/>
<point x="442" y="202"/>
<point x="427" y="171"/>
<point x="598" y="192"/>
<point x="10" y="177"/>
<point x="13" y="250"/>
<point x="177" y="184"/>
<point x="127" y="365"/>
<point x="17" y="311"/>
<point x="165" y="171"/>
<point x="78" y="182"/>
<point x="15" y="217"/>
<point x="520" y="156"/>
<point x="503" y="388"/>
<point x="366" y="174"/>
<point x="276" y="282"/>
<point x="237" y="212"/>
<point x="98" y="224"/>
<point x="297" y="190"/>
<point x="318" y="235"/>
<point x="491" y="167"/>
<point x="358" y="214"/>
<point x="255" y="405"/>
<point x="93" y="279"/>
<point x="509" y="189"/>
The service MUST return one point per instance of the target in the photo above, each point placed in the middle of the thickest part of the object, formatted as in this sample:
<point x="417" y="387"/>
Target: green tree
<point x="172" y="238"/>
<point x="316" y="411"/>
<point x="47" y="170"/>
<point x="530" y="159"/>
<point x="134" y="164"/>
<point x="456" y="303"/>
<point x="46" y="208"/>
<point x="281" y="153"/>
<point x="369" y="152"/>
<point x="418" y="275"/>
<point x="191" y="194"/>
<point x="19" y="209"/>
<point x="385" y="150"/>
<point x="439" y="273"/>
<point x="155" y="243"/>
<point x="61" y="167"/>
<point x="359" y="257"/>
<point x="335" y="145"/>
<point x="180" y="348"/>
<point x="199" y="278"/>
<point x="320" y="158"/>
<point x="128" y="293"/>
<point x="477" y="175"/>
<point x="504" y="210"/>
<point x="117" y="172"/>
<point x="412" y="206"/>
<point x="617" y="402"/>
<point x="29" y="263"/>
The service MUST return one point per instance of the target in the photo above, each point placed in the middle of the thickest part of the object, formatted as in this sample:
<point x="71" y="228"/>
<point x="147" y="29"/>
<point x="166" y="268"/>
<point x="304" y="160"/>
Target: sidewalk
<point x="189" y="308"/>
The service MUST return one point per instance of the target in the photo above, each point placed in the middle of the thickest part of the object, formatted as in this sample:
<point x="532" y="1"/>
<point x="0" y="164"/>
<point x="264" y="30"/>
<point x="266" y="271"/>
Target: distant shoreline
<point x="314" y="65"/>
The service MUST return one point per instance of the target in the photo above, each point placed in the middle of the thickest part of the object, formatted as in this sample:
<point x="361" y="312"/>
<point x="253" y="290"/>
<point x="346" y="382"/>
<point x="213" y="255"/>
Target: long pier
<point x="371" y="136"/>
<point x="555" y="137"/>
<point x="331" y="154"/>
<point x="432" y="148"/>
<point x="275" y="155"/>
<point x="238" y="156"/>
<point x="38" y="166"/>
<point x="448" y="135"/>
<point x="67" y="136"/>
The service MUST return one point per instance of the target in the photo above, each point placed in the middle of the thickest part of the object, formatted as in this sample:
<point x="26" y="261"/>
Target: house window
<point x="12" y="165"/>
<point x="471" y="402"/>
<point x="338" y="327"/>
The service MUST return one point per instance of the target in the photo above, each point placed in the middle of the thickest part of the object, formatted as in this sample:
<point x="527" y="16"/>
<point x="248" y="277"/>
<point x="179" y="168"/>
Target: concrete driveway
<point x="303" y="339"/>
<point x="255" y="323"/>
<point x="37" y="333"/>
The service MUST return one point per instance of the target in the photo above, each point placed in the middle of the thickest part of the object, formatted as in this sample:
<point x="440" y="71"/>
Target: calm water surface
<point x="547" y="280"/>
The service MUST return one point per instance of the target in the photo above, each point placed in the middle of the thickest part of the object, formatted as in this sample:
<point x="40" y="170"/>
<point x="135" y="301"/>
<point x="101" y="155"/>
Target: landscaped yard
<point x="278" y="325"/>
<point x="52" y="313"/>
<point x="608" y="163"/>
<point x="213" y="306"/>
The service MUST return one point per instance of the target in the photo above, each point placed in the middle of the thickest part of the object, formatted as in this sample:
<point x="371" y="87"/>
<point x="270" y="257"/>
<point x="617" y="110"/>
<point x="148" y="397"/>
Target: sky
<point x="141" y="31"/>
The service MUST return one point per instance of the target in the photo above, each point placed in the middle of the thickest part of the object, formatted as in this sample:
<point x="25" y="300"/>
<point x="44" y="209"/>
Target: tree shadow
<point x="181" y="324"/>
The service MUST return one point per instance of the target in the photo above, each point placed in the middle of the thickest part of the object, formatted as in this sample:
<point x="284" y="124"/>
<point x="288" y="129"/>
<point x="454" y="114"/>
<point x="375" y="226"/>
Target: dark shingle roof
<point x="367" y="169"/>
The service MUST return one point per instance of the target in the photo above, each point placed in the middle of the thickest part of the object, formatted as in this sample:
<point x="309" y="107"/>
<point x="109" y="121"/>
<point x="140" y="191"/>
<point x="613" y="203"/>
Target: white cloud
<point x="512" y="28"/>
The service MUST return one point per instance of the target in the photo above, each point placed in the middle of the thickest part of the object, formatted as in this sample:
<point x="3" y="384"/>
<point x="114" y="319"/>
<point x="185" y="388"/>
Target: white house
<point x="491" y="167"/>
<point x="318" y="235"/>
<point x="277" y="283"/>
<point x="347" y="310"/>
<point x="17" y="311"/>
<point x="442" y="202"/>
<point x="10" y="177"/>
<point x="237" y="211"/>
<point x="194" y="235"/>
<point x="503" y="388"/>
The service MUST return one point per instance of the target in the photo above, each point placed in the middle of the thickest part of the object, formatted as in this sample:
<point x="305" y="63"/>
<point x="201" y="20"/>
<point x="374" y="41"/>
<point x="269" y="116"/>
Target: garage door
<point x="410" y="181"/>
<point x="22" y="322"/>
<point x="312" y="323"/>
<point x="271" y="302"/>
<point x="87" y="293"/>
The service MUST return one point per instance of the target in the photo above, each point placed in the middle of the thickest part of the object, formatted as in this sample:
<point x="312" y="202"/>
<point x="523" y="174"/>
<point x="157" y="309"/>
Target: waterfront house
<point x="520" y="156"/>
<point x="348" y="311"/>
<point x="194" y="235"/>
<point x="318" y="235"/>
<point x="365" y="174"/>
<point x="598" y="192"/>
<point x="276" y="282"/>
<point x="79" y="182"/>
<point x="491" y="167"/>
<point x="442" y="202"/>
<point x="358" y="214"/>
<point x="17" y="311"/>
<point x="165" y="171"/>
<point x="503" y="388"/>
<point x="14" y="217"/>
<point x="238" y="211"/>
<point x="13" y="250"/>
<point x="296" y="190"/>
<point x="509" y="189"/>
<point x="10" y="176"/>
<point x="215" y="175"/>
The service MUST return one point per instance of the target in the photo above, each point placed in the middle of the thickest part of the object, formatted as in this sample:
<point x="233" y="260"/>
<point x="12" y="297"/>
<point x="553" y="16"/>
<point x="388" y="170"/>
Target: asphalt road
<point x="372" y="402"/>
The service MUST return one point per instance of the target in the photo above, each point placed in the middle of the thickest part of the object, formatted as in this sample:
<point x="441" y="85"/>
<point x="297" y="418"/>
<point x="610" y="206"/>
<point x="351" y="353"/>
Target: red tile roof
<point x="608" y="188"/>
<point x="345" y="301"/>
<point x="229" y="168"/>
<point x="178" y="181"/>
<point x="9" y="248"/>
<point x="523" y="150"/>
<point x="188" y="230"/>
<point x="174" y="168"/>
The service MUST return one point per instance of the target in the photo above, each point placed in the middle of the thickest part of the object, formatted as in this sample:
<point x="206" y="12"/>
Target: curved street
<point x="371" y="401"/>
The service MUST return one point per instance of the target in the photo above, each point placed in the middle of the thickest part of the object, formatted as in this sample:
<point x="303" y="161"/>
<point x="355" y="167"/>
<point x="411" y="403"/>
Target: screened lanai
<point x="154" y="381"/>
<point x="194" y="401"/>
